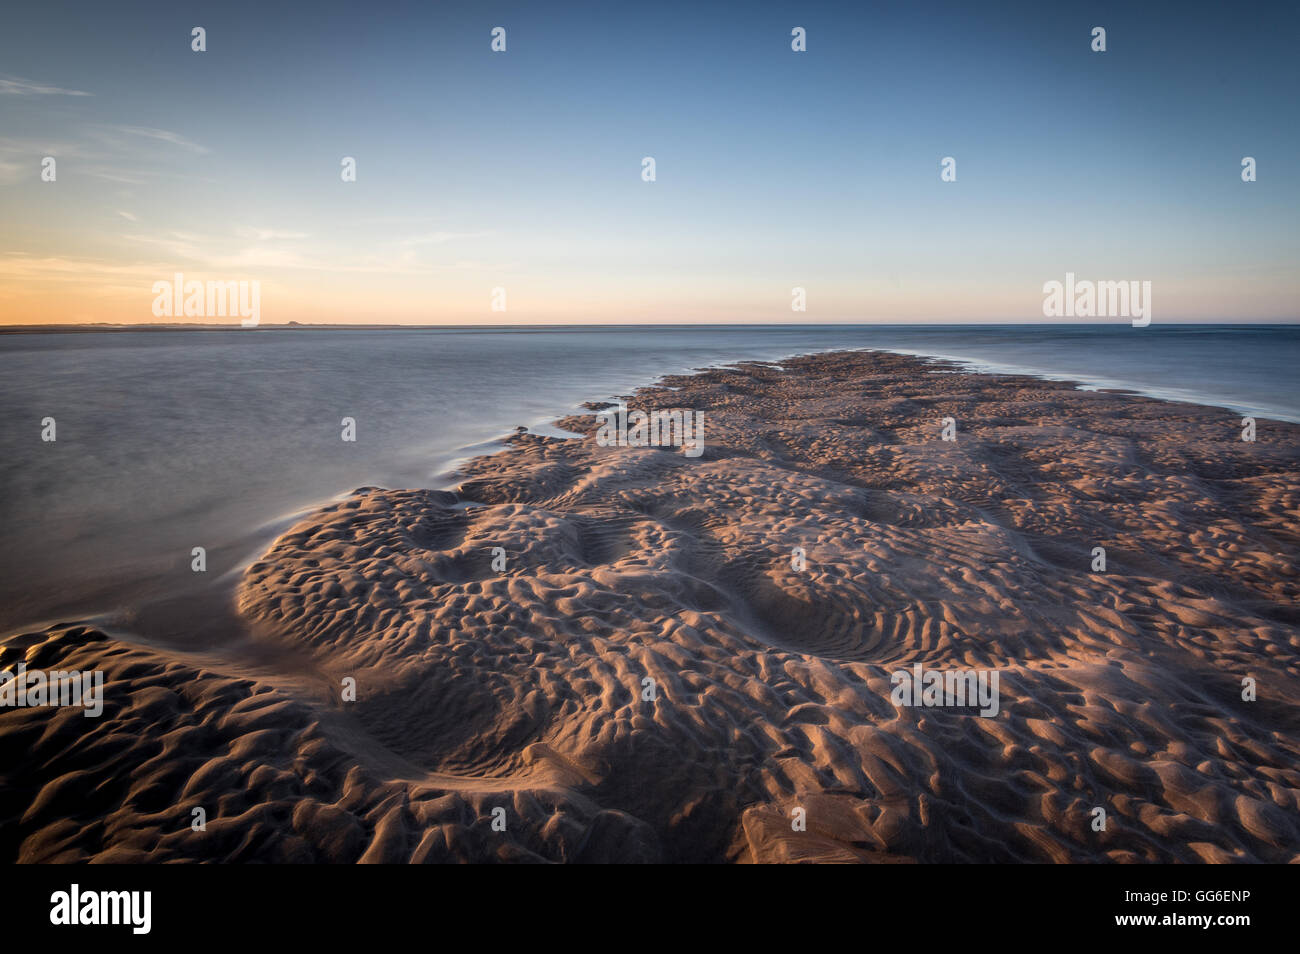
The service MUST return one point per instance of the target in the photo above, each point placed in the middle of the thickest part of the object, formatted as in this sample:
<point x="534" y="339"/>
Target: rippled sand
<point x="526" y="689"/>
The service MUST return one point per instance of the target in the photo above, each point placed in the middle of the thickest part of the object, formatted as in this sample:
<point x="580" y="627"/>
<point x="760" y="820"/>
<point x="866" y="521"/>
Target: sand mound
<point x="681" y="653"/>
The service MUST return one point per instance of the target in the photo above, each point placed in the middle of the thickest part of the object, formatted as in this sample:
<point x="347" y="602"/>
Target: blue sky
<point x="775" y="169"/>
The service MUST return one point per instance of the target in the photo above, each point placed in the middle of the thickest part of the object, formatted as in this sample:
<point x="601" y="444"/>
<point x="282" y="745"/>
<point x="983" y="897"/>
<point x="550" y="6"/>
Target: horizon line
<point x="90" y="327"/>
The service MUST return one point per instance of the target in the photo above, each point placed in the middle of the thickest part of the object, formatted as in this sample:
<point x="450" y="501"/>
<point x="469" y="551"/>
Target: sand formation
<point x="682" y="656"/>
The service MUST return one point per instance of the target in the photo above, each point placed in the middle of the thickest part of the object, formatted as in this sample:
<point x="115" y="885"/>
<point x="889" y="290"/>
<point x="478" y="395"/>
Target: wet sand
<point x="658" y="674"/>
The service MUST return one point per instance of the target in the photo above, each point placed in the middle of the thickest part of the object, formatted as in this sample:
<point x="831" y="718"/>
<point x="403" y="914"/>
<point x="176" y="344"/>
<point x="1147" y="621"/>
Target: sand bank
<point x="692" y="658"/>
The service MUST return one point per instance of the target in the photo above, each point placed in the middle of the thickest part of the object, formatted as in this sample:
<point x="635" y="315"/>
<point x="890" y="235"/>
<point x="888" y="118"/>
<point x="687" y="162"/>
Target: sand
<point x="770" y="735"/>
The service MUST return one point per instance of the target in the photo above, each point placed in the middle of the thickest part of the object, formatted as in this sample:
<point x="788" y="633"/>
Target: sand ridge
<point x="525" y="689"/>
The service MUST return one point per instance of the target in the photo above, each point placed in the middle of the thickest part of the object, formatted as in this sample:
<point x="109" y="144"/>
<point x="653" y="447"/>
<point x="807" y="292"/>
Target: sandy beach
<point x="595" y="653"/>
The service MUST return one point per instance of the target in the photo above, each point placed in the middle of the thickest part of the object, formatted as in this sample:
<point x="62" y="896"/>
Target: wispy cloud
<point x="437" y="238"/>
<point x="10" y="145"/>
<point x="114" y="175"/>
<point x="113" y="133"/>
<point x="12" y="170"/>
<point x="20" y="268"/>
<point x="120" y="154"/>
<point x="220" y="252"/>
<point x="271" y="235"/>
<point x="21" y="158"/>
<point x="174" y="244"/>
<point x="17" y="86"/>
<point x="182" y="251"/>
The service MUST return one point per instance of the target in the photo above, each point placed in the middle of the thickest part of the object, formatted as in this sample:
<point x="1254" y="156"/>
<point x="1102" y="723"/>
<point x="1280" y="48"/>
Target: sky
<point x="522" y="170"/>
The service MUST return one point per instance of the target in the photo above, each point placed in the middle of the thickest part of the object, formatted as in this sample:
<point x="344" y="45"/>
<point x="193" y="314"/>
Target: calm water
<point x="168" y="441"/>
